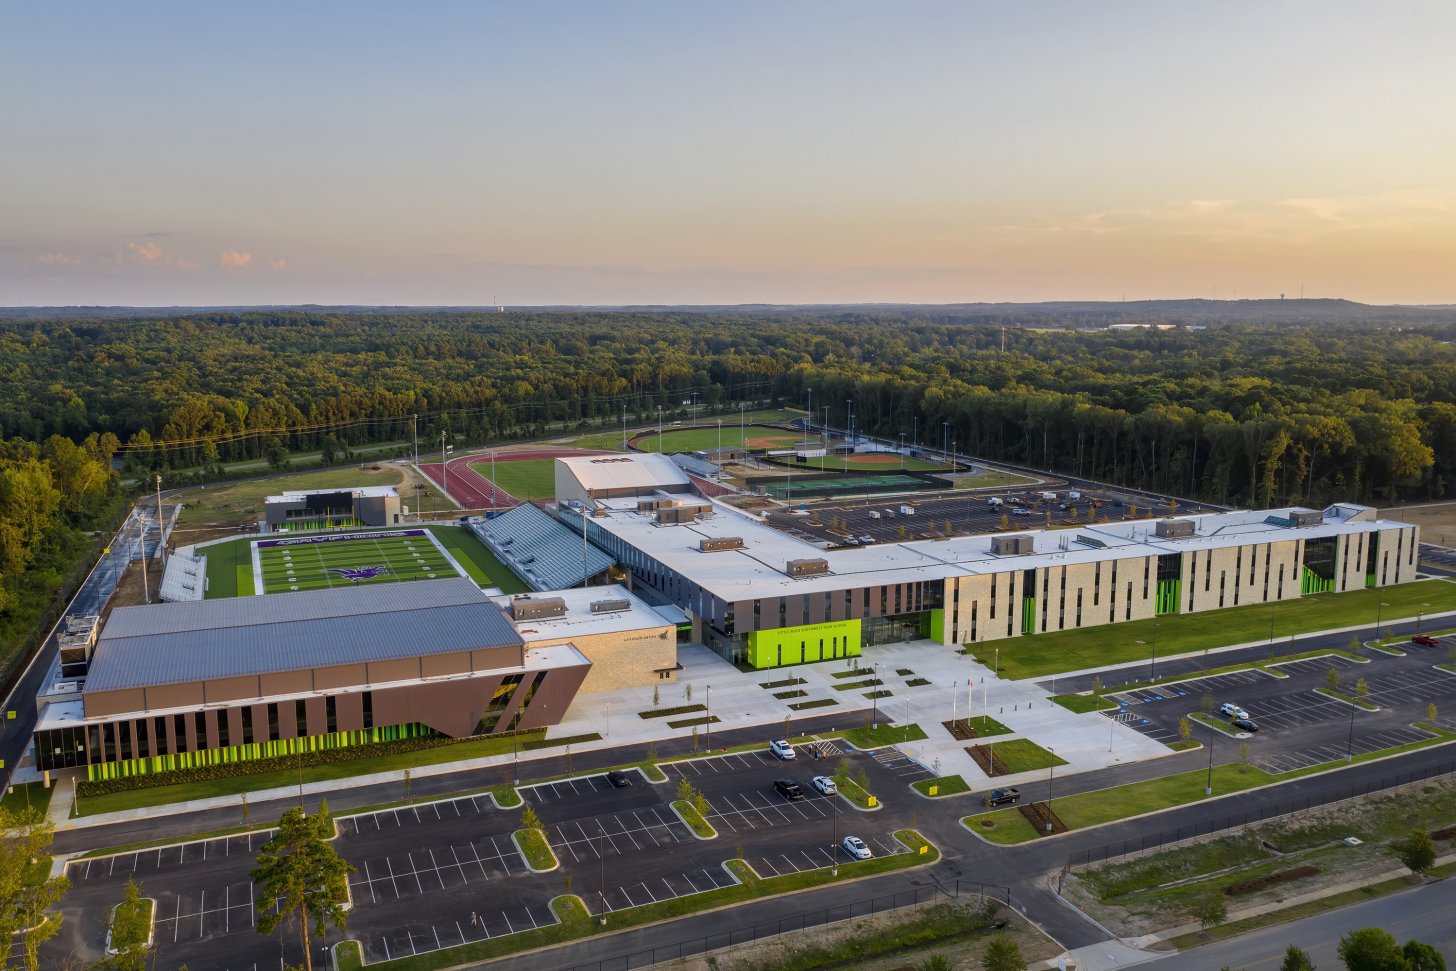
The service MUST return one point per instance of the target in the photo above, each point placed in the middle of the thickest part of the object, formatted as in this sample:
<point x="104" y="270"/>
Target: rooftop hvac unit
<point x="1306" y="517"/>
<point x="648" y="505"/>
<point x="720" y="543"/>
<point x="676" y="515"/>
<point x="807" y="568"/>
<point x="1013" y="545"/>
<point x="1175" y="528"/>
<point x="610" y="606"/>
<point x="530" y="608"/>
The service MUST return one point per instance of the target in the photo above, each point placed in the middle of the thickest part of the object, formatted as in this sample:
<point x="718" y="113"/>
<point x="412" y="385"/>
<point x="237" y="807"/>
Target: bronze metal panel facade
<point x="340" y="676"/>
<point x="318" y="716"/>
<point x="164" y="696"/>
<point x="104" y="703"/>
<point x="443" y="665"/>
<point x="351" y="712"/>
<point x="381" y="672"/>
<point x="286" y="683"/>
<point x="551" y="700"/>
<point x="231" y="689"/>
<point x="494" y="658"/>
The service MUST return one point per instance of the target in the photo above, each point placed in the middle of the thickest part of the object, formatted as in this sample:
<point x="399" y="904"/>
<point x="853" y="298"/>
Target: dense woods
<point x="1282" y="410"/>
<point x="1237" y="414"/>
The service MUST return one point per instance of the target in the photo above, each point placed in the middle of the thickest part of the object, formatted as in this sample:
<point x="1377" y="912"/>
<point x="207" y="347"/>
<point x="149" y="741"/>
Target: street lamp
<point x="710" y="718"/>
<point x="1153" y="664"/>
<point x="875" y="697"/>
<point x="1419" y="614"/>
<point x="1382" y="606"/>
<point x="1350" y="742"/>
<point x="849" y="420"/>
<point x="1212" y="734"/>
<point x="1051" y="778"/>
<point x="659" y="429"/>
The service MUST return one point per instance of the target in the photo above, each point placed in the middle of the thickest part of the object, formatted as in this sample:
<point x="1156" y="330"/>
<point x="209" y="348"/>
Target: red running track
<point x="471" y="490"/>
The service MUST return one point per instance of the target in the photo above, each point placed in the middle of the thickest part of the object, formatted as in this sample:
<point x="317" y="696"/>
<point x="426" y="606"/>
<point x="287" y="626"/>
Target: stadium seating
<point x="545" y="554"/>
<point x="185" y="578"/>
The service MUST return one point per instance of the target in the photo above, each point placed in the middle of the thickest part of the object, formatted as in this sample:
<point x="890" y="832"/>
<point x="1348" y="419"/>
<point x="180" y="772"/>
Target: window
<point x="368" y="709"/>
<point x="199" y="724"/>
<point x="159" y="733"/>
<point x="222" y="729"/>
<point x="331" y="710"/>
<point x="273" y="735"/>
<point x="248" y="725"/>
<point x="300" y="711"/>
<point x="179" y="729"/>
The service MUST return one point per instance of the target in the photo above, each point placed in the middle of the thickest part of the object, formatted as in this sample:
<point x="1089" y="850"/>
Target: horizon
<point x="647" y="154"/>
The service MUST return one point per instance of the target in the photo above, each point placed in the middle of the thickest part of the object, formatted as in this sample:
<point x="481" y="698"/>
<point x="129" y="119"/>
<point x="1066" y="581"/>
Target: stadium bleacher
<point x="185" y="578"/>
<point x="545" y="554"/>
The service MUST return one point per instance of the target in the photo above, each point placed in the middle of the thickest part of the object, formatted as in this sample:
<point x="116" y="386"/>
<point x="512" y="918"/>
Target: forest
<point x="1252" y="414"/>
<point x="1261" y="413"/>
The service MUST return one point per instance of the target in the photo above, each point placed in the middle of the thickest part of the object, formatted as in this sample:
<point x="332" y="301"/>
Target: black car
<point x="1246" y="724"/>
<point x="1002" y="797"/>
<point x="619" y="779"/>
<point x="789" y="789"/>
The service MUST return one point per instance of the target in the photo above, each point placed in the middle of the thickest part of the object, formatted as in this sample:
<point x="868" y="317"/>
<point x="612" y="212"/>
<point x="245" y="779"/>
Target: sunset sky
<point x="785" y="152"/>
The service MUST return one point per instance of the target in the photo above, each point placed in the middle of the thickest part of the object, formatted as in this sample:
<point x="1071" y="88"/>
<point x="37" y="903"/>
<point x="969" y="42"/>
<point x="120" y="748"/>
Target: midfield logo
<point x="358" y="573"/>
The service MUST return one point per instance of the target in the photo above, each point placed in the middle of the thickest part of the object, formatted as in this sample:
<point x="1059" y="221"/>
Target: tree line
<point x="1238" y="414"/>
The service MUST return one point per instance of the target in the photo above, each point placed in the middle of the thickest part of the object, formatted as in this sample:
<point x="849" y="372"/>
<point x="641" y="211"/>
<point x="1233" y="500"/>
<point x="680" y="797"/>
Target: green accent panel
<point x="256" y="750"/>
<point x="801" y="645"/>
<point x="1028" y="615"/>
<point x="1312" y="582"/>
<point x="1169" y="592"/>
<point x="937" y="625"/>
<point x="1369" y="579"/>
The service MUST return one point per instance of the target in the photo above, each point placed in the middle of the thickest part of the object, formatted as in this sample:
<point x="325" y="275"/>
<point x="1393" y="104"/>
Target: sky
<point x="709" y="153"/>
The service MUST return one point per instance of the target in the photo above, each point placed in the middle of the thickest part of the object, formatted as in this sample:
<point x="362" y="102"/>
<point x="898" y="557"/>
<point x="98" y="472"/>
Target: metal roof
<point x="646" y="471"/>
<point x="539" y="549"/>
<point x="167" y="643"/>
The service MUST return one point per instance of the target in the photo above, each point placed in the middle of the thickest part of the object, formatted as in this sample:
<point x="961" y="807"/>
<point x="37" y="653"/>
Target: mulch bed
<point x="1037" y="814"/>
<point x="960" y="731"/>
<point x="989" y="762"/>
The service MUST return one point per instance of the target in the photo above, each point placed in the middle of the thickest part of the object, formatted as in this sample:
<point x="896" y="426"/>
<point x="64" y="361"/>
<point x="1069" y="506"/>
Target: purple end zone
<point x="305" y="540"/>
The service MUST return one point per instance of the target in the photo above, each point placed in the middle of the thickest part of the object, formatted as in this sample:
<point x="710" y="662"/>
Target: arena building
<point x="758" y="595"/>
<point x="172" y="686"/>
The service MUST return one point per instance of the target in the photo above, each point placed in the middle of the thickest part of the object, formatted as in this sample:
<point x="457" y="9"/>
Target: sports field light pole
<point x="915" y="432"/>
<point x="624" y="428"/>
<point x="849" y="421"/>
<point x="444" y="467"/>
<point x="742" y="419"/>
<point x="945" y="440"/>
<point x="492" y="478"/>
<point x="1212" y="735"/>
<point x="720" y="439"/>
<point x="659" y="429"/>
<point x="902" y="451"/>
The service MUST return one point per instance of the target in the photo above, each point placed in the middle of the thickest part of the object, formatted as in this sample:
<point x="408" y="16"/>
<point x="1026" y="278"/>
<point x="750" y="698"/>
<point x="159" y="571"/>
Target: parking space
<point x="906" y="769"/>
<point x="667" y="887"/>
<point x="1412" y="685"/>
<point x="1319" y="665"/>
<point x="1361" y="745"/>
<point x="720" y="764"/>
<point x="488" y="920"/>
<point x="571" y="788"/>
<point x="822" y="856"/>
<point x="391" y="876"/>
<point x="616" y="834"/>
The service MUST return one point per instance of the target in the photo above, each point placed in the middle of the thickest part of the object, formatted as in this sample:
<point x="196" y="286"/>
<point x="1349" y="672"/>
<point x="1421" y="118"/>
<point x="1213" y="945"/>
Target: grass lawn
<point x="991" y="479"/>
<point x="536" y="850"/>
<point x="879" y="736"/>
<point x="1215" y="722"/>
<point x="1091" y="647"/>
<point x="855" y="793"/>
<point x="522" y="478"/>
<point x="946" y="785"/>
<point x="348" y="956"/>
<point x="242" y="502"/>
<point x="1348" y="699"/>
<point x="32" y="794"/>
<point x="694" y="819"/>
<point x="702" y="439"/>
<point x="1082" y="704"/>
<point x="482" y="565"/>
<point x="229" y="569"/>
<point x="131" y="924"/>
<point x="986" y="726"/>
<point x="1023" y="755"/>
<point x="233" y="785"/>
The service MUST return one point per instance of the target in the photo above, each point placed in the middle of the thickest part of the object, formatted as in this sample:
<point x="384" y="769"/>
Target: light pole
<point x="1350" y="742"/>
<point x="1051" y="778"/>
<point x="720" y="439"/>
<point x="834" y="839"/>
<point x="811" y="410"/>
<point x="875" y="697"/>
<point x="945" y="440"/>
<point x="902" y="451"/>
<point x="997" y="668"/>
<point x="492" y="478"/>
<point x="1379" y="608"/>
<point x="1271" y="628"/>
<point x="710" y="718"/>
<point x="659" y="429"/>
<point x="444" y="467"/>
<point x="1153" y="663"/>
<point x="1419" y="613"/>
<point x="624" y="428"/>
<point x="609" y="720"/>
<point x="954" y="686"/>
<point x="1212" y="734"/>
<point x="849" y="420"/>
<point x="915" y="432"/>
<point x="602" y="856"/>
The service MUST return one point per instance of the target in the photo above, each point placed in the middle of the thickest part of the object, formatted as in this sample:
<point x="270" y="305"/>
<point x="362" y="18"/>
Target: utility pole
<point x="146" y="594"/>
<point x="624" y="428"/>
<point x="444" y="467"/>
<point x="162" y="535"/>
<point x="415" y="438"/>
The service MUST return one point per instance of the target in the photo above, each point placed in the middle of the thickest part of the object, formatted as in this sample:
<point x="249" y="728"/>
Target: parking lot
<point x="442" y="873"/>
<point x="967" y="512"/>
<point x="1300" y="727"/>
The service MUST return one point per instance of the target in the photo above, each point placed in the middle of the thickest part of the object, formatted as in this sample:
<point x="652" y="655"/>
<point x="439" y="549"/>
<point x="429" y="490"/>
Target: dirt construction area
<point x="1437" y="521"/>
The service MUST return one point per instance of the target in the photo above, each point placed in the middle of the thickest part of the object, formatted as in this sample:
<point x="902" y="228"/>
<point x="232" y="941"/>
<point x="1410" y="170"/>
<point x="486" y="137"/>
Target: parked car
<point x="866" y="539"/>
<point x="1232" y="710"/>
<point x="1246" y="724"/>
<point x="1002" y="797"/>
<point x="856" y="848"/>
<point x="1426" y="640"/>
<point x="850" y="541"/>
<point x="781" y="749"/>
<point x="619" y="779"/>
<point x="789" y="789"/>
<point x="825" y="785"/>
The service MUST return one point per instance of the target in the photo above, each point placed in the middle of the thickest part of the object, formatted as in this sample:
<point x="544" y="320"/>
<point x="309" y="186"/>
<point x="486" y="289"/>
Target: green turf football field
<point x="317" y="566"/>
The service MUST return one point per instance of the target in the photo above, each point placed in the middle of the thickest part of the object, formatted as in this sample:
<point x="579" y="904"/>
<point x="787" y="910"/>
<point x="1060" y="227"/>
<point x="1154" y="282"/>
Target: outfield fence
<point x="1233" y="822"/>
<point x="961" y="891"/>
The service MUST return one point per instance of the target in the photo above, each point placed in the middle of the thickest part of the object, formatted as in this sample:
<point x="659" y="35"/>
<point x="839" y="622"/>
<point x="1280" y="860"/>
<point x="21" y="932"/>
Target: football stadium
<point x="351" y="559"/>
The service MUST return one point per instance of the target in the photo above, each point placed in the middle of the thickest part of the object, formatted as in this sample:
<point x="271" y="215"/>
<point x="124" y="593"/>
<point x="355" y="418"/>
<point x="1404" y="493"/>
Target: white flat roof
<point x="644" y="471"/>
<point x="579" y="620"/>
<point x="757" y="569"/>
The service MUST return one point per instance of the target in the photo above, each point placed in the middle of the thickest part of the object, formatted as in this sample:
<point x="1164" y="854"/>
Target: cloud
<point x="147" y="253"/>
<point x="54" y="259"/>
<point x="278" y="264"/>
<point x="231" y="259"/>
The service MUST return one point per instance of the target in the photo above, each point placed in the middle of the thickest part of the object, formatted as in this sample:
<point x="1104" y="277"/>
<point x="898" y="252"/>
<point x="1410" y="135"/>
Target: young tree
<point x="841" y="771"/>
<point x="300" y="870"/>
<point x="1371" y="949"/>
<point x="1209" y="910"/>
<point x="1362" y="688"/>
<point x="1097" y="685"/>
<point x="936" y="962"/>
<point x="700" y="803"/>
<point x="1185" y="728"/>
<point x="1417" y="851"/>
<point x="1003" y="954"/>
<point x="1332" y="678"/>
<point x="127" y="924"/>
<point x="1431" y="712"/>
<point x="656" y="695"/>
<point x="529" y="819"/>
<point x="685" y="789"/>
<point x="25" y="901"/>
<point x="1244" y="752"/>
<point x="1356" y="647"/>
<point x="1296" y="960"/>
<point x="1205" y="704"/>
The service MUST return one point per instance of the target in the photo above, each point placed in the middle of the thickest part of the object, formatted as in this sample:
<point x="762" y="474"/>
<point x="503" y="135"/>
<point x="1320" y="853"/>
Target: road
<point x="90" y="599"/>
<point x="1423" y="914"/>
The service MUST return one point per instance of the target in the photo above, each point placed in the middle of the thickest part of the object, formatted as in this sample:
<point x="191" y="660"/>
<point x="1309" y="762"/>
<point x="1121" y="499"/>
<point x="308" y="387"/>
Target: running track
<point x="471" y="490"/>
